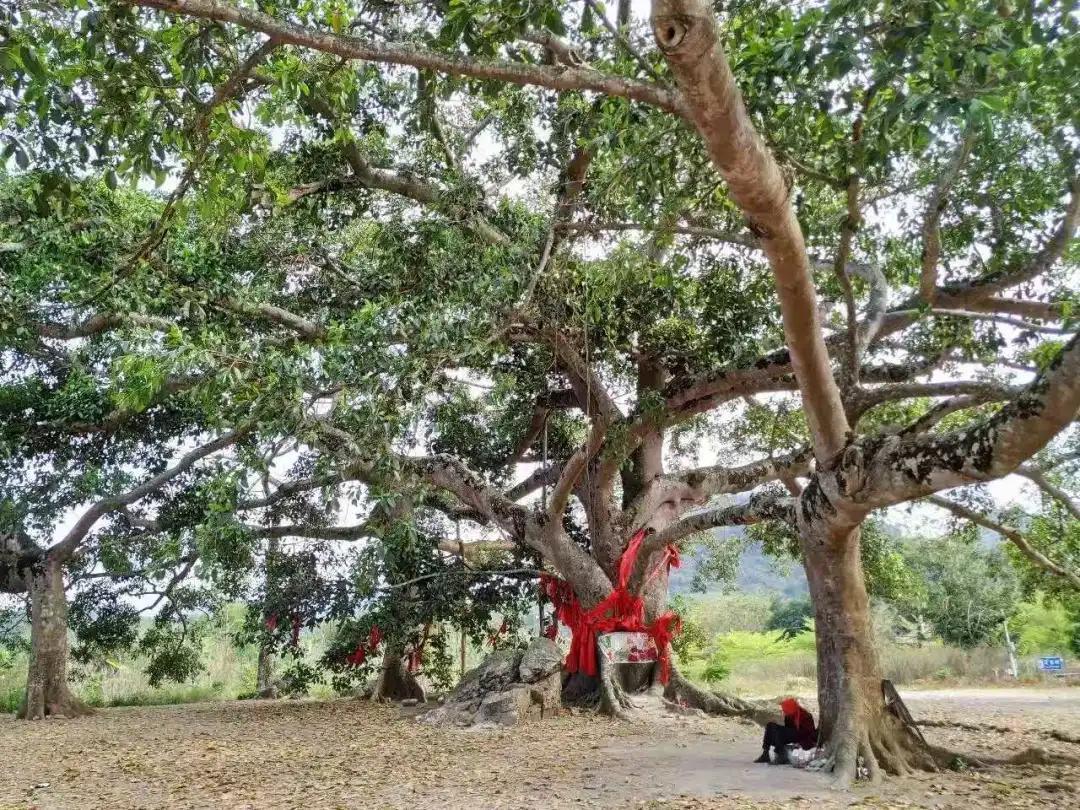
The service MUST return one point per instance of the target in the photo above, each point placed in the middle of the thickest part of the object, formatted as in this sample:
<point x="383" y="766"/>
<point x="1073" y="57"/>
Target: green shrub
<point x="725" y="612"/>
<point x="791" y="617"/>
<point x="10" y="699"/>
<point x="1042" y="627"/>
<point x="716" y="668"/>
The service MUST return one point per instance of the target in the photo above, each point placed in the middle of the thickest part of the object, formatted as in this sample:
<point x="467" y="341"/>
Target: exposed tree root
<point x="892" y="747"/>
<point x="1053" y="734"/>
<point x="1031" y="756"/>
<point x="683" y="692"/>
<point x="614" y="701"/>
<point x="36" y="707"/>
<point x="1062" y="736"/>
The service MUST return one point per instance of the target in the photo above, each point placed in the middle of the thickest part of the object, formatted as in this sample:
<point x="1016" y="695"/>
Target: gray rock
<point x="540" y="659"/>
<point x="497" y="694"/>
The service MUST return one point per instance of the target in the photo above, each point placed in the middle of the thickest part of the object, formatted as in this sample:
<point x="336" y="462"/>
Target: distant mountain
<point x="756" y="573"/>
<point x="759" y="573"/>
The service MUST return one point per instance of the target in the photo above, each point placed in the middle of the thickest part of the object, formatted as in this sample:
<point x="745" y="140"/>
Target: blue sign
<point x="1054" y="663"/>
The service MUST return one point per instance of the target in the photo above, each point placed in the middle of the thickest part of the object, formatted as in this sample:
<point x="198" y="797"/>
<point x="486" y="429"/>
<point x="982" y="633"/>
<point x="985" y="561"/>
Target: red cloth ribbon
<point x="416" y="656"/>
<point x="620" y="610"/>
<point x="358" y="656"/>
<point x="271" y="623"/>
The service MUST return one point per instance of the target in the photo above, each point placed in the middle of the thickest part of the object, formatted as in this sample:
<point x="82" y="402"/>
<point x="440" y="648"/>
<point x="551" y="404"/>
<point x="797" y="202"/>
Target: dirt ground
<point x="349" y="754"/>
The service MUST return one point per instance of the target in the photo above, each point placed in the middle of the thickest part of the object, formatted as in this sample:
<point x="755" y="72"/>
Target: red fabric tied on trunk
<point x="620" y="611"/>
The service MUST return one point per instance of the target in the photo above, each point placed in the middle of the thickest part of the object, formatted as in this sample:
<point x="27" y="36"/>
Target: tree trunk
<point x="854" y="721"/>
<point x="264" y="676"/>
<point x="395" y="682"/>
<point x="47" y="692"/>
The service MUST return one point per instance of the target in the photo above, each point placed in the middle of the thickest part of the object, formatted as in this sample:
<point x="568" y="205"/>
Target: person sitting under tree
<point x="798" y="729"/>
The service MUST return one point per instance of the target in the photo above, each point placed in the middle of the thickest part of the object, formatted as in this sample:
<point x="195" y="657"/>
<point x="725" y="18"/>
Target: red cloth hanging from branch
<point x="416" y="656"/>
<point x="358" y="656"/>
<point x="620" y="611"/>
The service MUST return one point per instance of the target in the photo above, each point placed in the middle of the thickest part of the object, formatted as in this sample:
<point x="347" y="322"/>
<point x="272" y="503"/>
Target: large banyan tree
<point x="556" y="234"/>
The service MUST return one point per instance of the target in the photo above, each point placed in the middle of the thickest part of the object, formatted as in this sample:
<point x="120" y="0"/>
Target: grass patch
<point x="760" y="664"/>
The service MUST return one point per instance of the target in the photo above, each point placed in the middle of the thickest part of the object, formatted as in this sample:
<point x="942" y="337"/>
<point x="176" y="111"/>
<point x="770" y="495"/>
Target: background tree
<point x="965" y="591"/>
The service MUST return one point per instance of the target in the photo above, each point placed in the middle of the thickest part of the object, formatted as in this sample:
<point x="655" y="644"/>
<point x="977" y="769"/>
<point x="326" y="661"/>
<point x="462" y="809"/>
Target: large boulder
<point x="540" y="659"/>
<point x="508" y="687"/>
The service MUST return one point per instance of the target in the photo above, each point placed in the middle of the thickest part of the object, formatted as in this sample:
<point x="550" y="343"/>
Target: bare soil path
<point x="348" y="754"/>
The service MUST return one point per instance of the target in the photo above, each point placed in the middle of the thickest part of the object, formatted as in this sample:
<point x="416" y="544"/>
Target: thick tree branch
<point x="450" y="474"/>
<point x="1012" y="535"/>
<point x="572" y="470"/>
<point x="943" y="409"/>
<point x="97" y="324"/>
<point x="551" y="77"/>
<point x="563" y="51"/>
<point x="592" y="394"/>
<point x="291" y="489"/>
<point x="741" y="239"/>
<point x="543" y="476"/>
<point x="1035" y="475"/>
<point x="876" y="306"/>
<point x="702" y="483"/>
<point x="770" y="506"/>
<point x="982" y="390"/>
<point x="984" y="316"/>
<point x="63" y="549"/>
<point x="372" y="529"/>
<point x="960" y="294"/>
<point x="688" y="34"/>
<point x="308" y="329"/>
<point x="935" y="204"/>
<point x="426" y="194"/>
<point x="881" y="471"/>
<point x="676" y="490"/>
<point x="848" y="229"/>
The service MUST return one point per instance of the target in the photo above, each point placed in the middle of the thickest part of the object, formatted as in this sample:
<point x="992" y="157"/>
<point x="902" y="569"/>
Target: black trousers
<point x="777" y="736"/>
